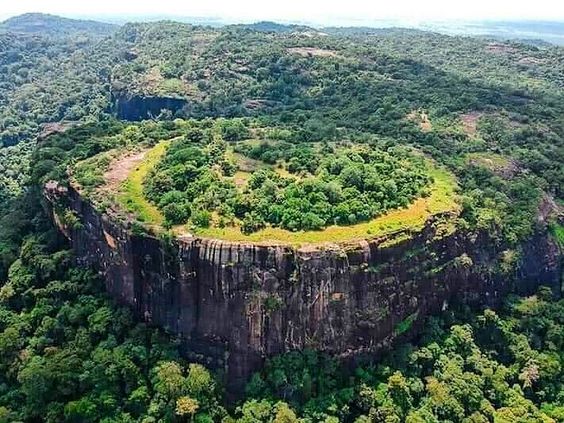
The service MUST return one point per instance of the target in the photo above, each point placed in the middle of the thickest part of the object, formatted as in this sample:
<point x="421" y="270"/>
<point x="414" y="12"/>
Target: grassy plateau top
<point x="234" y="180"/>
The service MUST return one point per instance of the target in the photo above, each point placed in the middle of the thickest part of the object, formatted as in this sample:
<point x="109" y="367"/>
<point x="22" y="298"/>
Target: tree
<point x="186" y="405"/>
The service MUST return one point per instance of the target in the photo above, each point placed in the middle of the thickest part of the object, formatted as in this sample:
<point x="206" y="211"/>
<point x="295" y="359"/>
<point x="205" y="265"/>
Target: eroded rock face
<point x="234" y="304"/>
<point x="137" y="107"/>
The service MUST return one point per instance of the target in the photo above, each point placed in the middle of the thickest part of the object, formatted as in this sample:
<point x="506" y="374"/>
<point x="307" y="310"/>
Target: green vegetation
<point x="69" y="354"/>
<point x="442" y="199"/>
<point x="238" y="190"/>
<point x="332" y="184"/>
<point x="501" y="367"/>
<point x="488" y="115"/>
<point x="509" y="95"/>
<point x="405" y="324"/>
<point x="135" y="168"/>
<point x="131" y="192"/>
<point x="14" y="170"/>
<point x="478" y="97"/>
<point x="557" y="230"/>
<point x="89" y="173"/>
<point x="56" y="26"/>
<point x="47" y="84"/>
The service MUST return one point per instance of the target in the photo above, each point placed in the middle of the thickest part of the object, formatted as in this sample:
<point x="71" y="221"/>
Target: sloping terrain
<point x="50" y="25"/>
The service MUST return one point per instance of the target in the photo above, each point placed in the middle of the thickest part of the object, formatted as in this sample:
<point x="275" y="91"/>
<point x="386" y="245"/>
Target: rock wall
<point x="233" y="304"/>
<point x="137" y="107"/>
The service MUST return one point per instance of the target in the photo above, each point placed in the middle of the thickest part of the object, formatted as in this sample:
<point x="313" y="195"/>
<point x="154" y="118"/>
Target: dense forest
<point x="490" y="112"/>
<point x="310" y="187"/>
<point x="68" y="354"/>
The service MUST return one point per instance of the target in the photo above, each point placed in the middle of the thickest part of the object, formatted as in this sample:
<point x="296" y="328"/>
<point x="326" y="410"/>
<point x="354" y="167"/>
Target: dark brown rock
<point x="233" y="304"/>
<point x="140" y="107"/>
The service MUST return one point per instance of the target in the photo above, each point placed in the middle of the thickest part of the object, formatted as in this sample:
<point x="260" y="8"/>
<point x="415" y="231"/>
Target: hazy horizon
<point x="316" y="12"/>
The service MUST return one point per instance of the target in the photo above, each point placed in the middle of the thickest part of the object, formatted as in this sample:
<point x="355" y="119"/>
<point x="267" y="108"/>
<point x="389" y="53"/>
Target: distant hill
<point x="551" y="32"/>
<point x="366" y="30"/>
<point x="39" y="23"/>
<point x="268" y="26"/>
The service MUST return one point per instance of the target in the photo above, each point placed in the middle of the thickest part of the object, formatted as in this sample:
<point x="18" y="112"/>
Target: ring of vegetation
<point x="205" y="181"/>
<point x="219" y="176"/>
<point x="239" y="181"/>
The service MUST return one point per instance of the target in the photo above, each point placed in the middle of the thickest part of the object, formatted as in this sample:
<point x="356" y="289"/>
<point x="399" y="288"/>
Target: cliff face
<point x="137" y="107"/>
<point x="234" y="304"/>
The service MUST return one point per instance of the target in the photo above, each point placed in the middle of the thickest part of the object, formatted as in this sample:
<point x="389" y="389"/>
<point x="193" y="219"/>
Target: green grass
<point x="442" y="199"/>
<point x="89" y="173"/>
<point x="491" y="161"/>
<point x="557" y="231"/>
<point x="172" y="86"/>
<point x="405" y="324"/>
<point x="131" y="195"/>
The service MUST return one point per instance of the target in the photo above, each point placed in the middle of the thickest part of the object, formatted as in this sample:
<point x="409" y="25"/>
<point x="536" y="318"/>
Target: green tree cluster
<point x="490" y="367"/>
<point x="67" y="353"/>
<point x="327" y="185"/>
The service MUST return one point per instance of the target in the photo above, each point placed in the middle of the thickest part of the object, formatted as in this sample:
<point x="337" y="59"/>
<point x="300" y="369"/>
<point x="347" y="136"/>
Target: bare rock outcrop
<point x="233" y="304"/>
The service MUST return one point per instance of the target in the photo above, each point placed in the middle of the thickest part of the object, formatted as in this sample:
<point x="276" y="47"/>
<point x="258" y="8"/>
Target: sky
<point x="312" y="11"/>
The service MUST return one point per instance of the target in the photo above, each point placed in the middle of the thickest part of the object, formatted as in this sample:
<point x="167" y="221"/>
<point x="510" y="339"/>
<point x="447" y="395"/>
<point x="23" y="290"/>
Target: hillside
<point x="43" y="24"/>
<point x="268" y="26"/>
<point x="270" y="223"/>
<point x="281" y="284"/>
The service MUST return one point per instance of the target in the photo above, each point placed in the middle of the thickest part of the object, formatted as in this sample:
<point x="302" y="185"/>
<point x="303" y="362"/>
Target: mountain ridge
<point x="54" y="25"/>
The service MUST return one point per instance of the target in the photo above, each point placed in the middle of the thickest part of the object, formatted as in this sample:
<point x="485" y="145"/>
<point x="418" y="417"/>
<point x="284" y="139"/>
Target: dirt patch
<point x="548" y="208"/>
<point x="154" y="83"/>
<point x="48" y="129"/>
<point x="247" y="164"/>
<point x="500" y="165"/>
<point x="530" y="61"/>
<point x="500" y="48"/>
<point x="470" y="122"/>
<point x="313" y="52"/>
<point x="241" y="178"/>
<point x="257" y="103"/>
<point x="425" y="123"/>
<point x="110" y="240"/>
<point x="422" y="119"/>
<point x="119" y="170"/>
<point x="152" y="79"/>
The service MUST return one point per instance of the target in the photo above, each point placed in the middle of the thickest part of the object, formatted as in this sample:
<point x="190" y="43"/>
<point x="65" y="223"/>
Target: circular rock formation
<point x="263" y="185"/>
<point x="236" y="294"/>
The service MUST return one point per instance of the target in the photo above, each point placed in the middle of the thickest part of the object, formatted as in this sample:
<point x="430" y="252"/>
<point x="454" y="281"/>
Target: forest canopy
<point x="289" y="127"/>
<point x="220" y="171"/>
